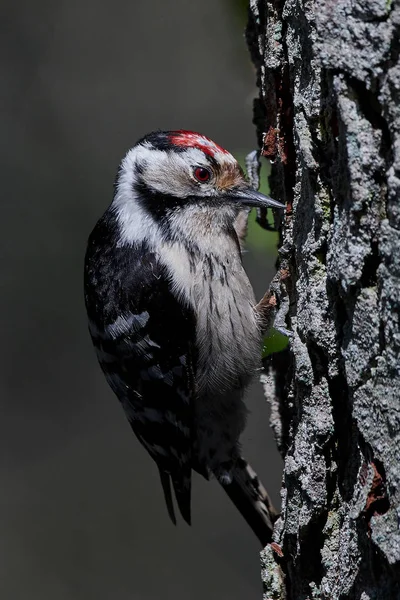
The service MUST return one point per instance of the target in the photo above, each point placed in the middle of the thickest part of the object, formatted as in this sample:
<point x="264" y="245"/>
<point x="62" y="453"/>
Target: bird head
<point x="169" y="171"/>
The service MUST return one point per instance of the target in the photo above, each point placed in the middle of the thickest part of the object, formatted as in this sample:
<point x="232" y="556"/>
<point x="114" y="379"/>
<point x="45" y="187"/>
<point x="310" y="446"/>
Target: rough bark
<point x="328" y="116"/>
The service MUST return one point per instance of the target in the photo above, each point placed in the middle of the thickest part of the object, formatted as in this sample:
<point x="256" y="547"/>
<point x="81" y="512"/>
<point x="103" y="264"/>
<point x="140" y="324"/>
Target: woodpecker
<point x="173" y="317"/>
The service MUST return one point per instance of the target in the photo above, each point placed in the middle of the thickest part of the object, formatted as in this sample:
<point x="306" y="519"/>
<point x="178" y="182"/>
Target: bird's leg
<point x="267" y="307"/>
<point x="269" y="314"/>
<point x="253" y="166"/>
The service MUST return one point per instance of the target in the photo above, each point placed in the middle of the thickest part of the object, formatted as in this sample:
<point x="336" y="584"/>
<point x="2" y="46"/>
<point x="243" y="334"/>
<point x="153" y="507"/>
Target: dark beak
<point x="250" y="197"/>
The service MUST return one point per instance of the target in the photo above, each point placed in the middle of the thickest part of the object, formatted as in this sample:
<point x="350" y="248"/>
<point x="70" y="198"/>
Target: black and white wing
<point x="144" y="342"/>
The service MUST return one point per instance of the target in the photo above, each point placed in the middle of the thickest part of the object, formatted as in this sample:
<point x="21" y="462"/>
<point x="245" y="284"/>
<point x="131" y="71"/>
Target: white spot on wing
<point x="127" y="323"/>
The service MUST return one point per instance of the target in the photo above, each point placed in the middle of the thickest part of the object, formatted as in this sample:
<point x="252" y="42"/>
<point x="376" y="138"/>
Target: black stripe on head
<point x="160" y="140"/>
<point x="180" y="141"/>
<point x="160" y="205"/>
<point x="155" y="202"/>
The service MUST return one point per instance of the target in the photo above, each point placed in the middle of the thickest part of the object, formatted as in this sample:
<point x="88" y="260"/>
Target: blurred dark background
<point x="82" y="513"/>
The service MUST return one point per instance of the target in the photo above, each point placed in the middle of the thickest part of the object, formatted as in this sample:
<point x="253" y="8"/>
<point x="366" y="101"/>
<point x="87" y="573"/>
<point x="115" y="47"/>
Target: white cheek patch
<point x="136" y="224"/>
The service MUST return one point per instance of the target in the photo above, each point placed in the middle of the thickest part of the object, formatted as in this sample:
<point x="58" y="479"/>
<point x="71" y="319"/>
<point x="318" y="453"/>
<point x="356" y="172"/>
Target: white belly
<point x="228" y="340"/>
<point x="218" y="290"/>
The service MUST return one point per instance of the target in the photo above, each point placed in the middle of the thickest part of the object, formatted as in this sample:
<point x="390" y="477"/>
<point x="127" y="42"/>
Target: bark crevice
<point x="328" y="115"/>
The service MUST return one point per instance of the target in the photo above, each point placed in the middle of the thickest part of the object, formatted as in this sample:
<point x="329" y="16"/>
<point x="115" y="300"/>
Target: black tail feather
<point x="182" y="485"/>
<point x="182" y="488"/>
<point x="166" y="484"/>
<point x="251" y="499"/>
<point x="244" y="489"/>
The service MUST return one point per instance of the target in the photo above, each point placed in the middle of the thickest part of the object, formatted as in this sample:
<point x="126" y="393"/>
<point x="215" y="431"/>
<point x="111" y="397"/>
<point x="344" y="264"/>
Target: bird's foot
<point x="267" y="310"/>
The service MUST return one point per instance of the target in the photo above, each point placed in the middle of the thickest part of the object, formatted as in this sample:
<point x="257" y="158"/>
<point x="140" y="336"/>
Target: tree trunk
<point x="328" y="116"/>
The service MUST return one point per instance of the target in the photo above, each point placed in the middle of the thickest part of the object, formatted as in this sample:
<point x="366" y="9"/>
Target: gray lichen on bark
<point x="328" y="116"/>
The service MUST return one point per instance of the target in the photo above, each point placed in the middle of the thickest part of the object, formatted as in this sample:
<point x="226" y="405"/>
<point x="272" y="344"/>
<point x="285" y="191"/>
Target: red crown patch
<point x="190" y="139"/>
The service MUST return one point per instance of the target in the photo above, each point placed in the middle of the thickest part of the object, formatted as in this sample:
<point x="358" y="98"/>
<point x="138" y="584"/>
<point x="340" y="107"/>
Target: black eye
<point x="202" y="174"/>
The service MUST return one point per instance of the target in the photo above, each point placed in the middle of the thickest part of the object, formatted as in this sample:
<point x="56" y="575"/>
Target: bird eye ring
<point x="202" y="174"/>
